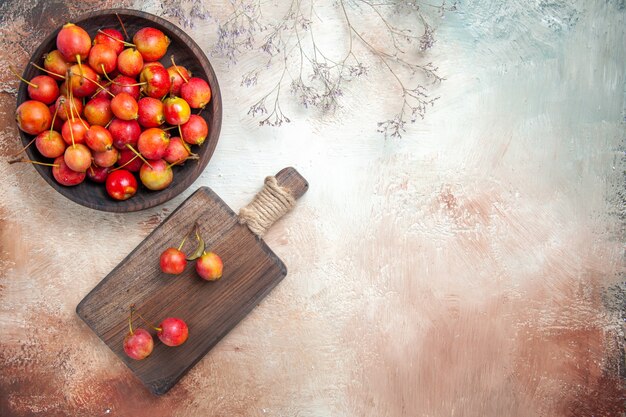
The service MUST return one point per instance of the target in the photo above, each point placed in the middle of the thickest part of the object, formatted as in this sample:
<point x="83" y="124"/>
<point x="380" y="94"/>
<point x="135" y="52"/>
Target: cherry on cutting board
<point x="138" y="343"/>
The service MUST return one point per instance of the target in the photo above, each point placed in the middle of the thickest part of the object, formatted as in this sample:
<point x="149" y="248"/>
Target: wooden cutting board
<point x="210" y="309"/>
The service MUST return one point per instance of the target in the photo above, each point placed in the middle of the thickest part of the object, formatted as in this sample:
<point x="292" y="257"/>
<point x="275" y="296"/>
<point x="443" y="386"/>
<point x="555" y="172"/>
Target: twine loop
<point x="272" y="202"/>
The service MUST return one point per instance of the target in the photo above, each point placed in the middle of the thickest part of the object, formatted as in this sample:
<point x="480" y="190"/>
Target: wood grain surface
<point x="210" y="309"/>
<point x="188" y="54"/>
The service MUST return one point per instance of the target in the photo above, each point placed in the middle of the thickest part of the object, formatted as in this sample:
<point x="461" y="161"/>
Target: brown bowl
<point x="188" y="54"/>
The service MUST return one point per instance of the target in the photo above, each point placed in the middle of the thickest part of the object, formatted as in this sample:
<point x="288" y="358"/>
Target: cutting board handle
<point x="277" y="197"/>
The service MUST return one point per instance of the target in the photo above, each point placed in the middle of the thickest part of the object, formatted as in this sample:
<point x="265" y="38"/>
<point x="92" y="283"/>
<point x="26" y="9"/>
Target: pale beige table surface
<point x="463" y="270"/>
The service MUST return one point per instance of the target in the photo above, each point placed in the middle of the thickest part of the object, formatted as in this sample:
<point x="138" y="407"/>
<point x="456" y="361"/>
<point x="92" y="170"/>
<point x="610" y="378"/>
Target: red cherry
<point x="73" y="42"/>
<point x="43" y="88"/>
<point x="129" y="161"/>
<point x="97" y="174"/>
<point x="138" y="343"/>
<point x="196" y="92"/>
<point x="173" y="261"/>
<point x="102" y="59"/>
<point x="121" y="184"/>
<point x="195" y="131"/>
<point x="125" y="84"/>
<point x="150" y="112"/>
<point x="56" y="63"/>
<point x="124" y="132"/>
<point x="64" y="175"/>
<point x="112" y="38"/>
<point x="173" y="331"/>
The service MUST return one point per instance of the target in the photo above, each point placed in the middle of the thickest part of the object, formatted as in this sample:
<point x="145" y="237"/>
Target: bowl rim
<point x="156" y="197"/>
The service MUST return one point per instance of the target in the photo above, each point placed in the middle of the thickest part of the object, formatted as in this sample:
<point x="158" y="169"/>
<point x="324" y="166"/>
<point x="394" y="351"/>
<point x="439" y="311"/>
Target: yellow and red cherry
<point x="99" y="139"/>
<point x="77" y="157"/>
<point x="177" y="152"/>
<point x="178" y="76"/>
<point x="33" y="117"/>
<point x="124" y="106"/>
<point x="83" y="80"/>
<point x="151" y="43"/>
<point x="156" y="174"/>
<point x="155" y="80"/>
<point x="152" y="143"/>
<point x="107" y="158"/>
<point x="98" y="111"/>
<point x="68" y="108"/>
<point x="50" y="144"/>
<point x="130" y="62"/>
<point x="209" y="266"/>
<point x="176" y="111"/>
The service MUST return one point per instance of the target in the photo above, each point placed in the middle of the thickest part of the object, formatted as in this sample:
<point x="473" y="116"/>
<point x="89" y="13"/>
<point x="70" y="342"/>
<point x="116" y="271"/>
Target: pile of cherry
<point x="173" y="331"/>
<point x="105" y="111"/>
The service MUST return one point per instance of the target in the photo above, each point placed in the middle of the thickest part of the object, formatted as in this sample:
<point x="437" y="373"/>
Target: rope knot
<point x="272" y="202"/>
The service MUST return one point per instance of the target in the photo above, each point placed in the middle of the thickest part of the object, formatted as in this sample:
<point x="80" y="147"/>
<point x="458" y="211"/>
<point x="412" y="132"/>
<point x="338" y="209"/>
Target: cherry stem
<point x="80" y="66"/>
<point x="177" y="70"/>
<point x="54" y="117"/>
<point x="129" y="146"/>
<point x="134" y="309"/>
<point x="115" y="39"/>
<point x="33" y="162"/>
<point x="126" y="163"/>
<point x="22" y="79"/>
<point x="184" y="239"/>
<point x="45" y="70"/>
<point x="200" y="111"/>
<point x="24" y="148"/>
<point x="122" y="24"/>
<point x="130" y="319"/>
